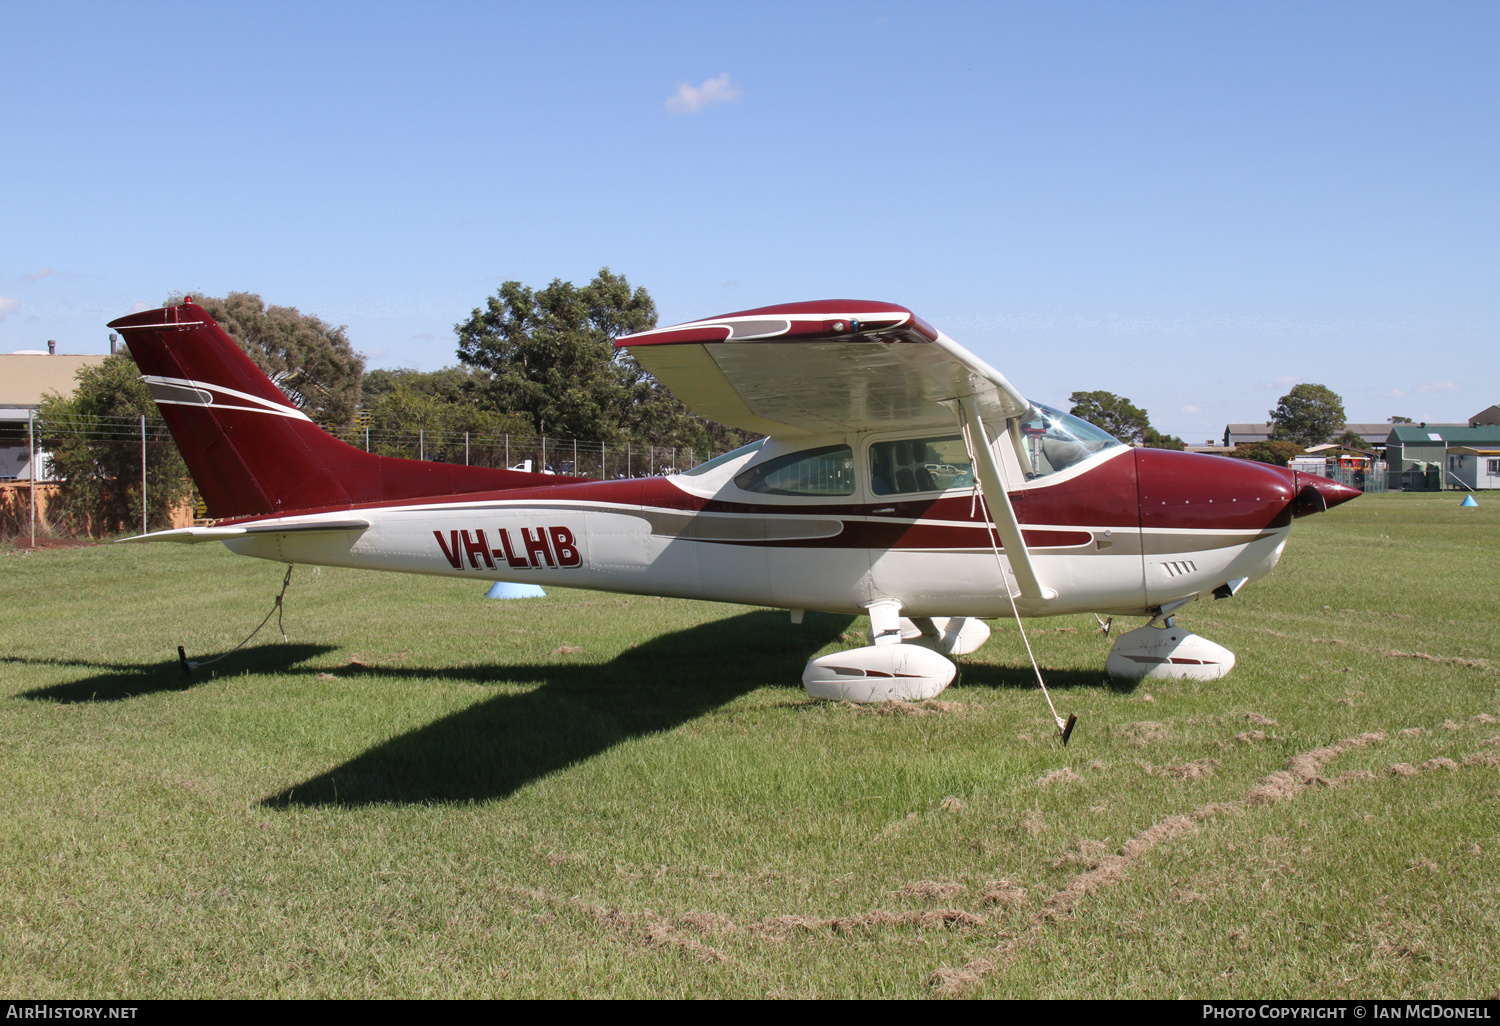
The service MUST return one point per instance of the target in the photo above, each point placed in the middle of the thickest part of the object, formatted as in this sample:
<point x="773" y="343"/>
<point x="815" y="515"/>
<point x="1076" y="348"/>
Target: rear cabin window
<point x="919" y="465"/>
<point x="828" y="470"/>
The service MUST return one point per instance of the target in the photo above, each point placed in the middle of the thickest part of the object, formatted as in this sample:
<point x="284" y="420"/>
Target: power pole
<point x="143" y="473"/>
<point x="31" y="468"/>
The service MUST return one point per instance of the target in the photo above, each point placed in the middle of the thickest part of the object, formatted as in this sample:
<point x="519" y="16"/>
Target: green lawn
<point x="426" y="793"/>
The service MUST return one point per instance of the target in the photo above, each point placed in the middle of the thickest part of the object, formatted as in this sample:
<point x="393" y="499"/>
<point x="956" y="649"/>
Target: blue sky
<point x="1194" y="205"/>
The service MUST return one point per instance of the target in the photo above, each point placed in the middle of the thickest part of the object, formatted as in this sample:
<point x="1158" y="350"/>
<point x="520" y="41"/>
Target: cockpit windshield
<point x="1049" y="440"/>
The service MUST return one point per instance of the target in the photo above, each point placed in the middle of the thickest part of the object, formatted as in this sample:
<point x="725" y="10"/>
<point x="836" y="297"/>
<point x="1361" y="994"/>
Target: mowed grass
<point x="427" y="793"/>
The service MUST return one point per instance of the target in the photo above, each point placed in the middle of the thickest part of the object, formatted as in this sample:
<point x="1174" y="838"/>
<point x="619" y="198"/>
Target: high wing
<point x="820" y="367"/>
<point x="840" y="365"/>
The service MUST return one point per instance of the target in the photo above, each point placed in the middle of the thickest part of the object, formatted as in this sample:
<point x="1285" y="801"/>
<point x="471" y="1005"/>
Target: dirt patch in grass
<point x="1144" y="733"/>
<point x="943" y="918"/>
<point x="929" y="707"/>
<point x="1304" y="769"/>
<point x="1058" y="776"/>
<point x="709" y="922"/>
<point x="1003" y="893"/>
<point x="931" y="890"/>
<point x="653" y="930"/>
<point x="1478" y="664"/>
<point x="1186" y="771"/>
<point x="948" y="982"/>
<point x="23" y="546"/>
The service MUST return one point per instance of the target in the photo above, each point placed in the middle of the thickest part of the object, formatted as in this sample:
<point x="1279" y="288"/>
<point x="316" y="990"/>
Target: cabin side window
<point x="826" y="470"/>
<point x="919" y="465"/>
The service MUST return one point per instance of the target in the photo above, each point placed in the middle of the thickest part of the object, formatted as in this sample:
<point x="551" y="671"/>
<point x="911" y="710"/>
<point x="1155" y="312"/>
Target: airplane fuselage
<point x="1123" y="532"/>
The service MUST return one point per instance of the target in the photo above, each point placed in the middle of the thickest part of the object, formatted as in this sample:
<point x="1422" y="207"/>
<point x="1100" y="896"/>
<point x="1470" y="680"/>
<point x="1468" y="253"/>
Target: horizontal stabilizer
<point x="194" y="535"/>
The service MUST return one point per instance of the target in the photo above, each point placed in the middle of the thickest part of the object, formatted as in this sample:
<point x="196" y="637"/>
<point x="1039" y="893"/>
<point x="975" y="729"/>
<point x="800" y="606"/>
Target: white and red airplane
<point x="901" y="477"/>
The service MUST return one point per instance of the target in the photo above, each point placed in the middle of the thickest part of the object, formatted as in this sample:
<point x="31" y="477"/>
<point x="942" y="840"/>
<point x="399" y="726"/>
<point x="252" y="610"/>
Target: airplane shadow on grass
<point x="1020" y="677"/>
<point x="496" y="747"/>
<point x="118" y="681"/>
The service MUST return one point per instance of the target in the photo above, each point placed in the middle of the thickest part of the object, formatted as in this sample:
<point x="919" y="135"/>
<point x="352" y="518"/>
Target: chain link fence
<point x="537" y="453"/>
<point x="25" y="460"/>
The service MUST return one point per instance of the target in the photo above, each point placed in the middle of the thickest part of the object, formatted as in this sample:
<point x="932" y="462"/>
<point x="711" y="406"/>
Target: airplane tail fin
<point x="250" y="450"/>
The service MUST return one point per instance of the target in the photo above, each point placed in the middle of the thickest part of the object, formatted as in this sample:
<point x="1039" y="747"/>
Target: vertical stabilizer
<point x="250" y="450"/>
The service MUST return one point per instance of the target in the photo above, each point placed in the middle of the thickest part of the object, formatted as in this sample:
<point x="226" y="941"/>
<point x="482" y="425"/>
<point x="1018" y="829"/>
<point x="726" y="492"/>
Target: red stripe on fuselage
<point x="1183" y="491"/>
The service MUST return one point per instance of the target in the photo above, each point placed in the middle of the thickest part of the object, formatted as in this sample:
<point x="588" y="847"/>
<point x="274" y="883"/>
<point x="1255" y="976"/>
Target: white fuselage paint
<point x="659" y="551"/>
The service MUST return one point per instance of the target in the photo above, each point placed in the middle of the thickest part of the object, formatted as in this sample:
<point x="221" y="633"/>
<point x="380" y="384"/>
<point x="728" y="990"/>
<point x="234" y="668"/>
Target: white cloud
<point x="1286" y="382"/>
<point x="139" y="307"/>
<point x="1396" y="393"/>
<point x="8" y="306"/>
<point x="45" y="272"/>
<point x="1192" y="409"/>
<point x="691" y="99"/>
<point x="1437" y="386"/>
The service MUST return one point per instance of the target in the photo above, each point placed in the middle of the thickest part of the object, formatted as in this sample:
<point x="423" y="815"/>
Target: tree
<point x="1115" y="414"/>
<point x="1154" y="439"/>
<point x="1351" y="440"/>
<point x="450" y="384"/>
<point x="1308" y="414"/>
<point x="1400" y="420"/>
<point x="94" y="438"/>
<point x="309" y="359"/>
<point x="1278" y="453"/>
<point x="549" y="355"/>
<point x="1121" y="418"/>
<point x="397" y="414"/>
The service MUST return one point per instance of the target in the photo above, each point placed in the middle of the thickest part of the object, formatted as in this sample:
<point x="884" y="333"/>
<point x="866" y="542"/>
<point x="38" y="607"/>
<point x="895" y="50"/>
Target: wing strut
<point x="992" y="487"/>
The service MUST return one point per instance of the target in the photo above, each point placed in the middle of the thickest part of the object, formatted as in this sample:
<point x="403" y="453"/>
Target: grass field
<point x="425" y="793"/>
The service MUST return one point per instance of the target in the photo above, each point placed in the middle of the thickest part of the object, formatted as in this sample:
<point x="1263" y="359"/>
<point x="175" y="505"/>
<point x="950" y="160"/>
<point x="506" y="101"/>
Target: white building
<point x="24" y="378"/>
<point x="1477" y="466"/>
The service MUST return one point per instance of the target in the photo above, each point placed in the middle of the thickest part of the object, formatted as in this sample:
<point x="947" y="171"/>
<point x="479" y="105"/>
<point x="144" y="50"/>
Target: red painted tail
<point x="250" y="451"/>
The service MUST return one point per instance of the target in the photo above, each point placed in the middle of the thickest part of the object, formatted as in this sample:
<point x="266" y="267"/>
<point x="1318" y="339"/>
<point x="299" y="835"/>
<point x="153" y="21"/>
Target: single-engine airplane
<point x="901" y="476"/>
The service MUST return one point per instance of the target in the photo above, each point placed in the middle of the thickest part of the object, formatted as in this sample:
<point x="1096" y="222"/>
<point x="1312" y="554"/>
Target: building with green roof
<point x="1424" y="457"/>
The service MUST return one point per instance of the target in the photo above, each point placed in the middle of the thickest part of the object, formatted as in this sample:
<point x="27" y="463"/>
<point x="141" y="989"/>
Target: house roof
<point x="24" y="379"/>
<point x="1369" y="432"/>
<point x="1446" y="434"/>
<point x="1485" y="417"/>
